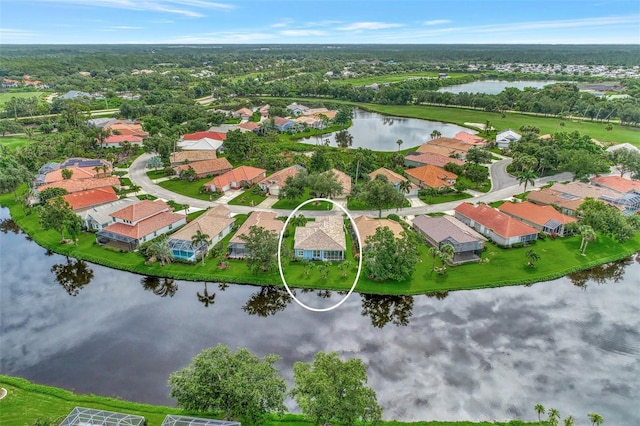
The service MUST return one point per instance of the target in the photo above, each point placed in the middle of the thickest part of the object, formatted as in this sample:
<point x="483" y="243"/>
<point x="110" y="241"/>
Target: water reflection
<point x="8" y="225"/>
<point x="383" y="310"/>
<point x="267" y="301"/>
<point x="205" y="298"/>
<point x="609" y="272"/>
<point x="439" y="295"/>
<point x="73" y="275"/>
<point x="162" y="287"/>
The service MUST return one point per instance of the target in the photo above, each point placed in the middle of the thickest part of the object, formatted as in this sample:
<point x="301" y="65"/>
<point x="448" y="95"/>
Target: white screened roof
<point x="81" y="416"/>
<point x="172" y="420"/>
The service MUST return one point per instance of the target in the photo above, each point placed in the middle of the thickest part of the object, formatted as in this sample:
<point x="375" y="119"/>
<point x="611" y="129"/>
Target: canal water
<point x="493" y="87"/>
<point x="572" y="343"/>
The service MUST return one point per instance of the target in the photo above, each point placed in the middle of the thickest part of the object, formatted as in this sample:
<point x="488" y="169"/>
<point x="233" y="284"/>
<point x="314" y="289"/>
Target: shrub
<point x="394" y="216"/>
<point x="517" y="245"/>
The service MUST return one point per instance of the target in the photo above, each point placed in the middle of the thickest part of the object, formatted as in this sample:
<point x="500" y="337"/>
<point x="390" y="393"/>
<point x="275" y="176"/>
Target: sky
<point x="319" y="21"/>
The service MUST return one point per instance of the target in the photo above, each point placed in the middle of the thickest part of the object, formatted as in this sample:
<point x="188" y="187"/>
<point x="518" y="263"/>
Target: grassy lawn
<point x="358" y="204"/>
<point x="125" y="181"/>
<point x="483" y="187"/>
<point x="247" y="198"/>
<point x="286" y="204"/>
<point x="27" y="402"/>
<point x="189" y="189"/>
<point x="445" y="198"/>
<point x="156" y="174"/>
<point x="392" y="78"/>
<point x="13" y="142"/>
<point x="6" y="97"/>
<point x="146" y="197"/>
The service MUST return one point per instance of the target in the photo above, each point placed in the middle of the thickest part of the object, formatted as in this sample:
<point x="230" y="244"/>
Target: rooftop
<point x="145" y="226"/>
<point x="211" y="223"/>
<point x="433" y="158"/>
<point x="500" y="223"/>
<point x="81" y="416"/>
<point x="279" y="177"/>
<point x="617" y="183"/>
<point x="239" y="174"/>
<point x="584" y="190"/>
<point x="191" y="156"/>
<point x="326" y="233"/>
<point x="440" y="228"/>
<point x="214" y="166"/>
<point x="266" y="220"/>
<point x="432" y="176"/>
<point x="534" y="213"/>
<point x="204" y="135"/>
<point x="91" y="197"/>
<point x="392" y="176"/>
<point x="549" y="196"/>
<point x="141" y="210"/>
<point x="470" y="138"/>
<point x="367" y="226"/>
<point x="75" y="185"/>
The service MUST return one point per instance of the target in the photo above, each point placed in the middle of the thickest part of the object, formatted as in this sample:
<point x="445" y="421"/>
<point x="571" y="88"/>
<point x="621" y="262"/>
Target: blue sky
<point x="319" y="21"/>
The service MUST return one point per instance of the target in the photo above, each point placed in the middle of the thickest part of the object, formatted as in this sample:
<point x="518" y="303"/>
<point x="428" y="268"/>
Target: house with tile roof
<point x="544" y="218"/>
<point x="115" y="141"/>
<point x="282" y="124"/>
<point x="395" y="179"/>
<point x="273" y="183"/>
<point x="566" y="203"/>
<point x="617" y="183"/>
<point x="83" y="200"/>
<point x="202" y="141"/>
<point x="266" y="220"/>
<point x="440" y="230"/>
<point x="185" y="157"/>
<point x="297" y="109"/>
<point x="236" y="179"/>
<point x="497" y="226"/>
<point x="431" y="177"/>
<point x="449" y="147"/>
<point x="139" y="223"/>
<point x="99" y="217"/>
<point x="471" y="139"/>
<point x="206" y="168"/>
<point x="243" y="113"/>
<point x="344" y="180"/>
<point x="127" y="128"/>
<point x="627" y="203"/>
<point x="215" y="222"/>
<point x="77" y="173"/>
<point x="77" y="185"/>
<point x="368" y="225"/>
<point x="322" y="239"/>
<point x="310" y="122"/>
<point x="417" y="159"/>
<point x="250" y="126"/>
<point x="506" y="137"/>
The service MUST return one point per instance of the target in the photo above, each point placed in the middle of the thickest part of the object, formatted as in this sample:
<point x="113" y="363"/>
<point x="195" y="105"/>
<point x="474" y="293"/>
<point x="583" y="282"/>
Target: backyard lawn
<point x="190" y="189"/>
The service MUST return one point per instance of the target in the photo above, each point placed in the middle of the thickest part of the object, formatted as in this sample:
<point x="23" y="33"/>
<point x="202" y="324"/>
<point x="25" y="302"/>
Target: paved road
<point x="504" y="187"/>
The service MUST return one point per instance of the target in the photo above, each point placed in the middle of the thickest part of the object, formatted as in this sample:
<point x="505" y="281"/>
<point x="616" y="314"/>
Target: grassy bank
<point x="502" y="267"/>
<point x="27" y="402"/>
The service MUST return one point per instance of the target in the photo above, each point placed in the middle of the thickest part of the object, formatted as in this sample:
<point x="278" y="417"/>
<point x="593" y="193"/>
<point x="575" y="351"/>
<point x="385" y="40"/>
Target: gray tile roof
<point x="440" y="228"/>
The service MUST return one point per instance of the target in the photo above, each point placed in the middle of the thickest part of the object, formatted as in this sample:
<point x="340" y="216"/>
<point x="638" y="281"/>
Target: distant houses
<point x="243" y="114"/>
<point x="440" y="230"/>
<point x="448" y="147"/>
<point x="416" y="159"/>
<point x="297" y="109"/>
<point x="323" y="239"/>
<point x="505" y="138"/>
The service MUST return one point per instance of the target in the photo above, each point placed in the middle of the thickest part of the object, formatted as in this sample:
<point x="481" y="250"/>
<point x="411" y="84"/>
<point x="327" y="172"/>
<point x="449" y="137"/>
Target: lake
<point x="572" y="343"/>
<point x="493" y="87"/>
<point x="380" y="132"/>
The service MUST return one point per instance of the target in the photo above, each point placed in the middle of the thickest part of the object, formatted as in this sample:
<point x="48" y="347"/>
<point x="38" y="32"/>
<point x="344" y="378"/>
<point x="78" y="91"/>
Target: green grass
<point x="483" y="187"/>
<point x="247" y="198"/>
<point x="27" y="402"/>
<point x="358" y="204"/>
<point x="189" y="189"/>
<point x="156" y="174"/>
<point x="286" y="204"/>
<point x="392" y="78"/>
<point x="146" y="197"/>
<point x="13" y="142"/>
<point x="6" y="97"/>
<point x="125" y="181"/>
<point x="445" y="198"/>
<point x="559" y="257"/>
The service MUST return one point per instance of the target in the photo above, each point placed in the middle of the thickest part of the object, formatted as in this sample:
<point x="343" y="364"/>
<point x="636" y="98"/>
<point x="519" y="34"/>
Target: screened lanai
<point x="88" y="416"/>
<point x="172" y="420"/>
<point x="183" y="249"/>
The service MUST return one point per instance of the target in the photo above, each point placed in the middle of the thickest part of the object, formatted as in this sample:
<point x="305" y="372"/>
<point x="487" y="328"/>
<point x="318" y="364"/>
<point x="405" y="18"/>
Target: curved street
<point x="503" y="187"/>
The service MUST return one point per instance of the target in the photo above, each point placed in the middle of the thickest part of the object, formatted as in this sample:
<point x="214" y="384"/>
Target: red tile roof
<point x="469" y="138"/>
<point x="240" y="174"/>
<point x="451" y="145"/>
<point x="77" y="173"/>
<point x="127" y="129"/>
<point x="279" y="177"/>
<point x="432" y="176"/>
<point x="433" y="158"/>
<point x="500" y="223"/>
<point x="146" y="226"/>
<point x="280" y="121"/>
<point x="617" y="183"/>
<point x="202" y="135"/>
<point x="141" y="210"/>
<point x="249" y="125"/>
<point x="549" y="196"/>
<point x="76" y="185"/>
<point x="90" y="198"/>
<point x="534" y="213"/>
<point x="205" y="167"/>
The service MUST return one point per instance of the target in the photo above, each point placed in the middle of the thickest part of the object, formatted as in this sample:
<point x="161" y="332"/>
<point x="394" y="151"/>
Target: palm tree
<point x="540" y="410"/>
<point x="596" y="419"/>
<point x="198" y="240"/>
<point x="588" y="235"/>
<point x="568" y="421"/>
<point x="399" y="142"/>
<point x="554" y="416"/>
<point x="433" y="252"/>
<point x="206" y="298"/>
<point x="161" y="251"/>
<point x="134" y="188"/>
<point x="527" y="176"/>
<point x="404" y="186"/>
<point x="186" y="209"/>
<point x="532" y="256"/>
<point x="435" y="134"/>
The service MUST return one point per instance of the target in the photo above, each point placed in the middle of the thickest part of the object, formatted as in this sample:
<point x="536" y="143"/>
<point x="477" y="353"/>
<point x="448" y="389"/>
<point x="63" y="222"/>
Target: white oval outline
<point x="284" y="281"/>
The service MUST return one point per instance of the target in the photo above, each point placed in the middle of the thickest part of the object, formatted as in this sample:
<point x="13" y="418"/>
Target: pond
<point x="572" y="343"/>
<point x="493" y="87"/>
<point x="380" y="132"/>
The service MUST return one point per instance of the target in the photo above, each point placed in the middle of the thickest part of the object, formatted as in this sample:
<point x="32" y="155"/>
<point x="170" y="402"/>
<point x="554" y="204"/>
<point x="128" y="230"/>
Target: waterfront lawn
<point x="444" y="198"/>
<point x="13" y="142"/>
<point x="189" y="189"/>
<point x="247" y="198"/>
<point x="287" y="204"/>
<point x="27" y="402"/>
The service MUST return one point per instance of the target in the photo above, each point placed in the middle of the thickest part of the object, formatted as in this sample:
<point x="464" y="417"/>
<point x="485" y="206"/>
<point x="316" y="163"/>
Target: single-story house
<point x="471" y="139"/>
<point x="506" y="137"/>
<point x="283" y="124"/>
<point x="186" y="157"/>
<point x="77" y="173"/>
<point x="395" y="179"/>
<point x="431" y="177"/>
<point x="367" y="227"/>
<point x="297" y="109"/>
<point x="243" y="113"/>
<point x="127" y="128"/>
<point x="215" y="222"/>
<point x="567" y="203"/>
<point x="440" y="230"/>
<point x="417" y="159"/>
<point x="77" y="185"/>
<point x="264" y="110"/>
<point x="323" y="239"/>
<point x="499" y="227"/>
<point x="139" y="223"/>
<point x="617" y="183"/>
<point x="544" y="218"/>
<point x="83" y="200"/>
<point x="311" y="122"/>
<point x="202" y="141"/>
<point x="273" y="183"/>
<point x="206" y="168"/>
<point x="236" y="178"/>
<point x="344" y="180"/>
<point x="266" y="220"/>
<point x="627" y="203"/>
<point x="250" y="126"/>
<point x="99" y="217"/>
<point x="449" y="147"/>
<point x="115" y="141"/>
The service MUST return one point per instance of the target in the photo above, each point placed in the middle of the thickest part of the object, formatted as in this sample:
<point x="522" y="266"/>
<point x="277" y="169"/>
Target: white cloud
<point x="15" y="35"/>
<point x="221" y="37"/>
<point x="302" y="33"/>
<point x="438" y="22"/>
<point x="359" y="26"/>
<point x="325" y="23"/>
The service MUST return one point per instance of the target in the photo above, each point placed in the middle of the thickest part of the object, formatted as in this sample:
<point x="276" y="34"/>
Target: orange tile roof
<point x="584" y="190"/>
<point x="392" y="176"/>
<point x="240" y="174"/>
<point x="127" y="129"/>
<point x="549" y="196"/>
<point x="534" y="213"/>
<point x="279" y="177"/>
<point x="249" y="125"/>
<point x="266" y="220"/>
<point x="617" y="183"/>
<point x="244" y="111"/>
<point x="212" y="167"/>
<point x="432" y="176"/>
<point x="90" y="198"/>
<point x="192" y="156"/>
<point x="500" y="223"/>
<point x="141" y="210"/>
<point x="367" y="226"/>
<point x="146" y="226"/>
<point x="454" y="146"/>
<point x="78" y="173"/>
<point x="329" y="114"/>
<point x="202" y="135"/>
<point x="433" y="158"/>
<point x="344" y="180"/>
<point x="469" y="138"/>
<point x="76" y="185"/>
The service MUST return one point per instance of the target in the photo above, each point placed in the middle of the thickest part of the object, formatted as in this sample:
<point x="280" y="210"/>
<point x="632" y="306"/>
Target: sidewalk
<point x="229" y="195"/>
<point x="268" y="202"/>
